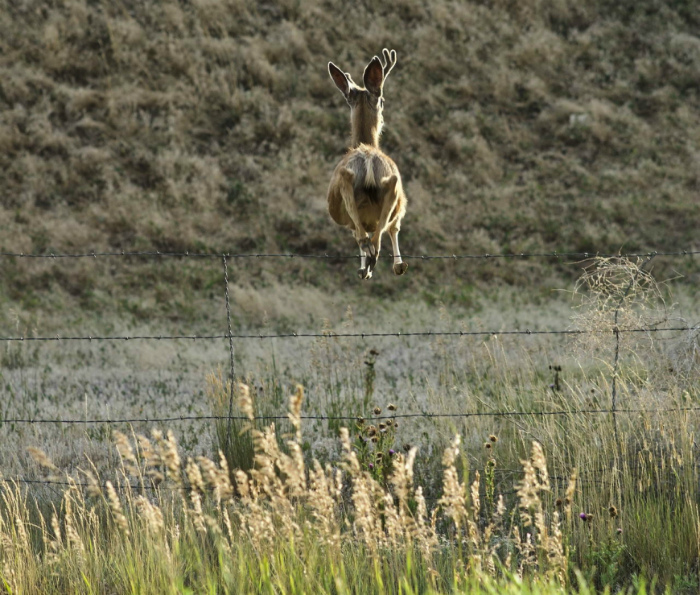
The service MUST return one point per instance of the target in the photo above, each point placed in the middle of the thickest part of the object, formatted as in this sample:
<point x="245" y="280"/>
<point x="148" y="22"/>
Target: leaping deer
<point x="365" y="193"/>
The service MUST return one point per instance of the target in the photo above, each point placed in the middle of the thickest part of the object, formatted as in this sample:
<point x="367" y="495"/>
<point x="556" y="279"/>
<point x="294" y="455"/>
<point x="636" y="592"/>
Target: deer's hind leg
<point x="368" y="257"/>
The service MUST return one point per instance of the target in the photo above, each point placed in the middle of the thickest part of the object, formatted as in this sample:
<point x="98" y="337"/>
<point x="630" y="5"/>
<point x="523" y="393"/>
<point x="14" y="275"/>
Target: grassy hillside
<point x="213" y="125"/>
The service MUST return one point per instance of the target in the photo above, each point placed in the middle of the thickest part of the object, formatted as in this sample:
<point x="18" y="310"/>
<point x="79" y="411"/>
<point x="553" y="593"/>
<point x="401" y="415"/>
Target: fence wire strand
<point x="326" y="256"/>
<point x="355" y="335"/>
<point x="285" y="417"/>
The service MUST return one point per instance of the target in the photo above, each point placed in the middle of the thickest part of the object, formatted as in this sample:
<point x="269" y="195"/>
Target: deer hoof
<point x="400" y="268"/>
<point x="365" y="273"/>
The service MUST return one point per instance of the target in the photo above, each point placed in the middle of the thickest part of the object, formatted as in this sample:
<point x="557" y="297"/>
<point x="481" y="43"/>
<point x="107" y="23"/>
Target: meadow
<point x="336" y="474"/>
<point x="484" y="462"/>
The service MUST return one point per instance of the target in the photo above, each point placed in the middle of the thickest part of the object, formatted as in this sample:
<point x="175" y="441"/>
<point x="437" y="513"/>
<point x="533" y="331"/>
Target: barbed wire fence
<point x="230" y="336"/>
<point x="252" y="255"/>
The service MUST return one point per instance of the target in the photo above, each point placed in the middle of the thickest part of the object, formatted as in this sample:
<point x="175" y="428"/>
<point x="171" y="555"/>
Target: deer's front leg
<point x="400" y="266"/>
<point x="389" y="198"/>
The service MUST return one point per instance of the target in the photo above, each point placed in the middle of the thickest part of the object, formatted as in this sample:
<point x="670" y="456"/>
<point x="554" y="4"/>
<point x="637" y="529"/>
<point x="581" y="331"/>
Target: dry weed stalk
<point x="454" y="492"/>
<point x="542" y="551"/>
<point x="281" y="501"/>
<point x="116" y="507"/>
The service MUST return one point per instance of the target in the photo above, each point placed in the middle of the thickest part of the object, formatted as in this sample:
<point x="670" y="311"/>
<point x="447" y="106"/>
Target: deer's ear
<point x="374" y="76"/>
<point x="339" y="78"/>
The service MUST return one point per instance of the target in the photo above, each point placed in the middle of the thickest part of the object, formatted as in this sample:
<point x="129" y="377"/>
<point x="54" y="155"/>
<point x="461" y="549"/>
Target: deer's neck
<point x="366" y="126"/>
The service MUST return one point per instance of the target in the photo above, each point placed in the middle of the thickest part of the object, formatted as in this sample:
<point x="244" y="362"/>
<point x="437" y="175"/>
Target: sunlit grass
<point x="560" y="495"/>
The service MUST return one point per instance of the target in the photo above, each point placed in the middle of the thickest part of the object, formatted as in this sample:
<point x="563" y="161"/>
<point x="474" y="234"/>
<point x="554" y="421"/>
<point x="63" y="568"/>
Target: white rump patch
<point x="370" y="180"/>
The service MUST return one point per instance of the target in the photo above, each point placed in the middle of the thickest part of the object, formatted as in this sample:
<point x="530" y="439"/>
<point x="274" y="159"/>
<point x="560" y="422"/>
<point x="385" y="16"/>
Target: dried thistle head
<point x="377" y="410"/>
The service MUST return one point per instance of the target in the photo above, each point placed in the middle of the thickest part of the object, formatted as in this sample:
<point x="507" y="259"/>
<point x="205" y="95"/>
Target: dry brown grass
<point x="214" y="126"/>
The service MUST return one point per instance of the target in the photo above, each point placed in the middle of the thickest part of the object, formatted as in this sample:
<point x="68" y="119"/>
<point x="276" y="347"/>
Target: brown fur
<point x="365" y="193"/>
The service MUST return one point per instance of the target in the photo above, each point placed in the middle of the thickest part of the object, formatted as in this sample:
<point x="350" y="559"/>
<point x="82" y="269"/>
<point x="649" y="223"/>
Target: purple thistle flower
<point x="392" y="452"/>
<point x="582" y="516"/>
<point x="371" y="465"/>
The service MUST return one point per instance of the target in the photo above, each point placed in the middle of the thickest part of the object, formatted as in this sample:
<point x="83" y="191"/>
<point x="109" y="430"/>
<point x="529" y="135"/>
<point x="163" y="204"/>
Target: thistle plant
<point x="375" y="443"/>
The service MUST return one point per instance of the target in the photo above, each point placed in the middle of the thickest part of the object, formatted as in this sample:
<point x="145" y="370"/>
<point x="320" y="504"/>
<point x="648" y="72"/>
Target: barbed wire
<point x="115" y="484"/>
<point x="286" y="255"/>
<point x="356" y="335"/>
<point x="327" y="335"/>
<point x="278" y="417"/>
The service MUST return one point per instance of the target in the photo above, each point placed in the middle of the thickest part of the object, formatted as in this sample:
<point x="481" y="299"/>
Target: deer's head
<point x="366" y="103"/>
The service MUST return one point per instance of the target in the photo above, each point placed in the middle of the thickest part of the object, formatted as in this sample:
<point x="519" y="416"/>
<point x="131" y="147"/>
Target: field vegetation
<point x="557" y="463"/>
<point x="351" y="491"/>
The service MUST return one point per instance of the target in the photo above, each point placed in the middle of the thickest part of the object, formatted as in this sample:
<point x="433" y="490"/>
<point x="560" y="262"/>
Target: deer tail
<point x="370" y="174"/>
